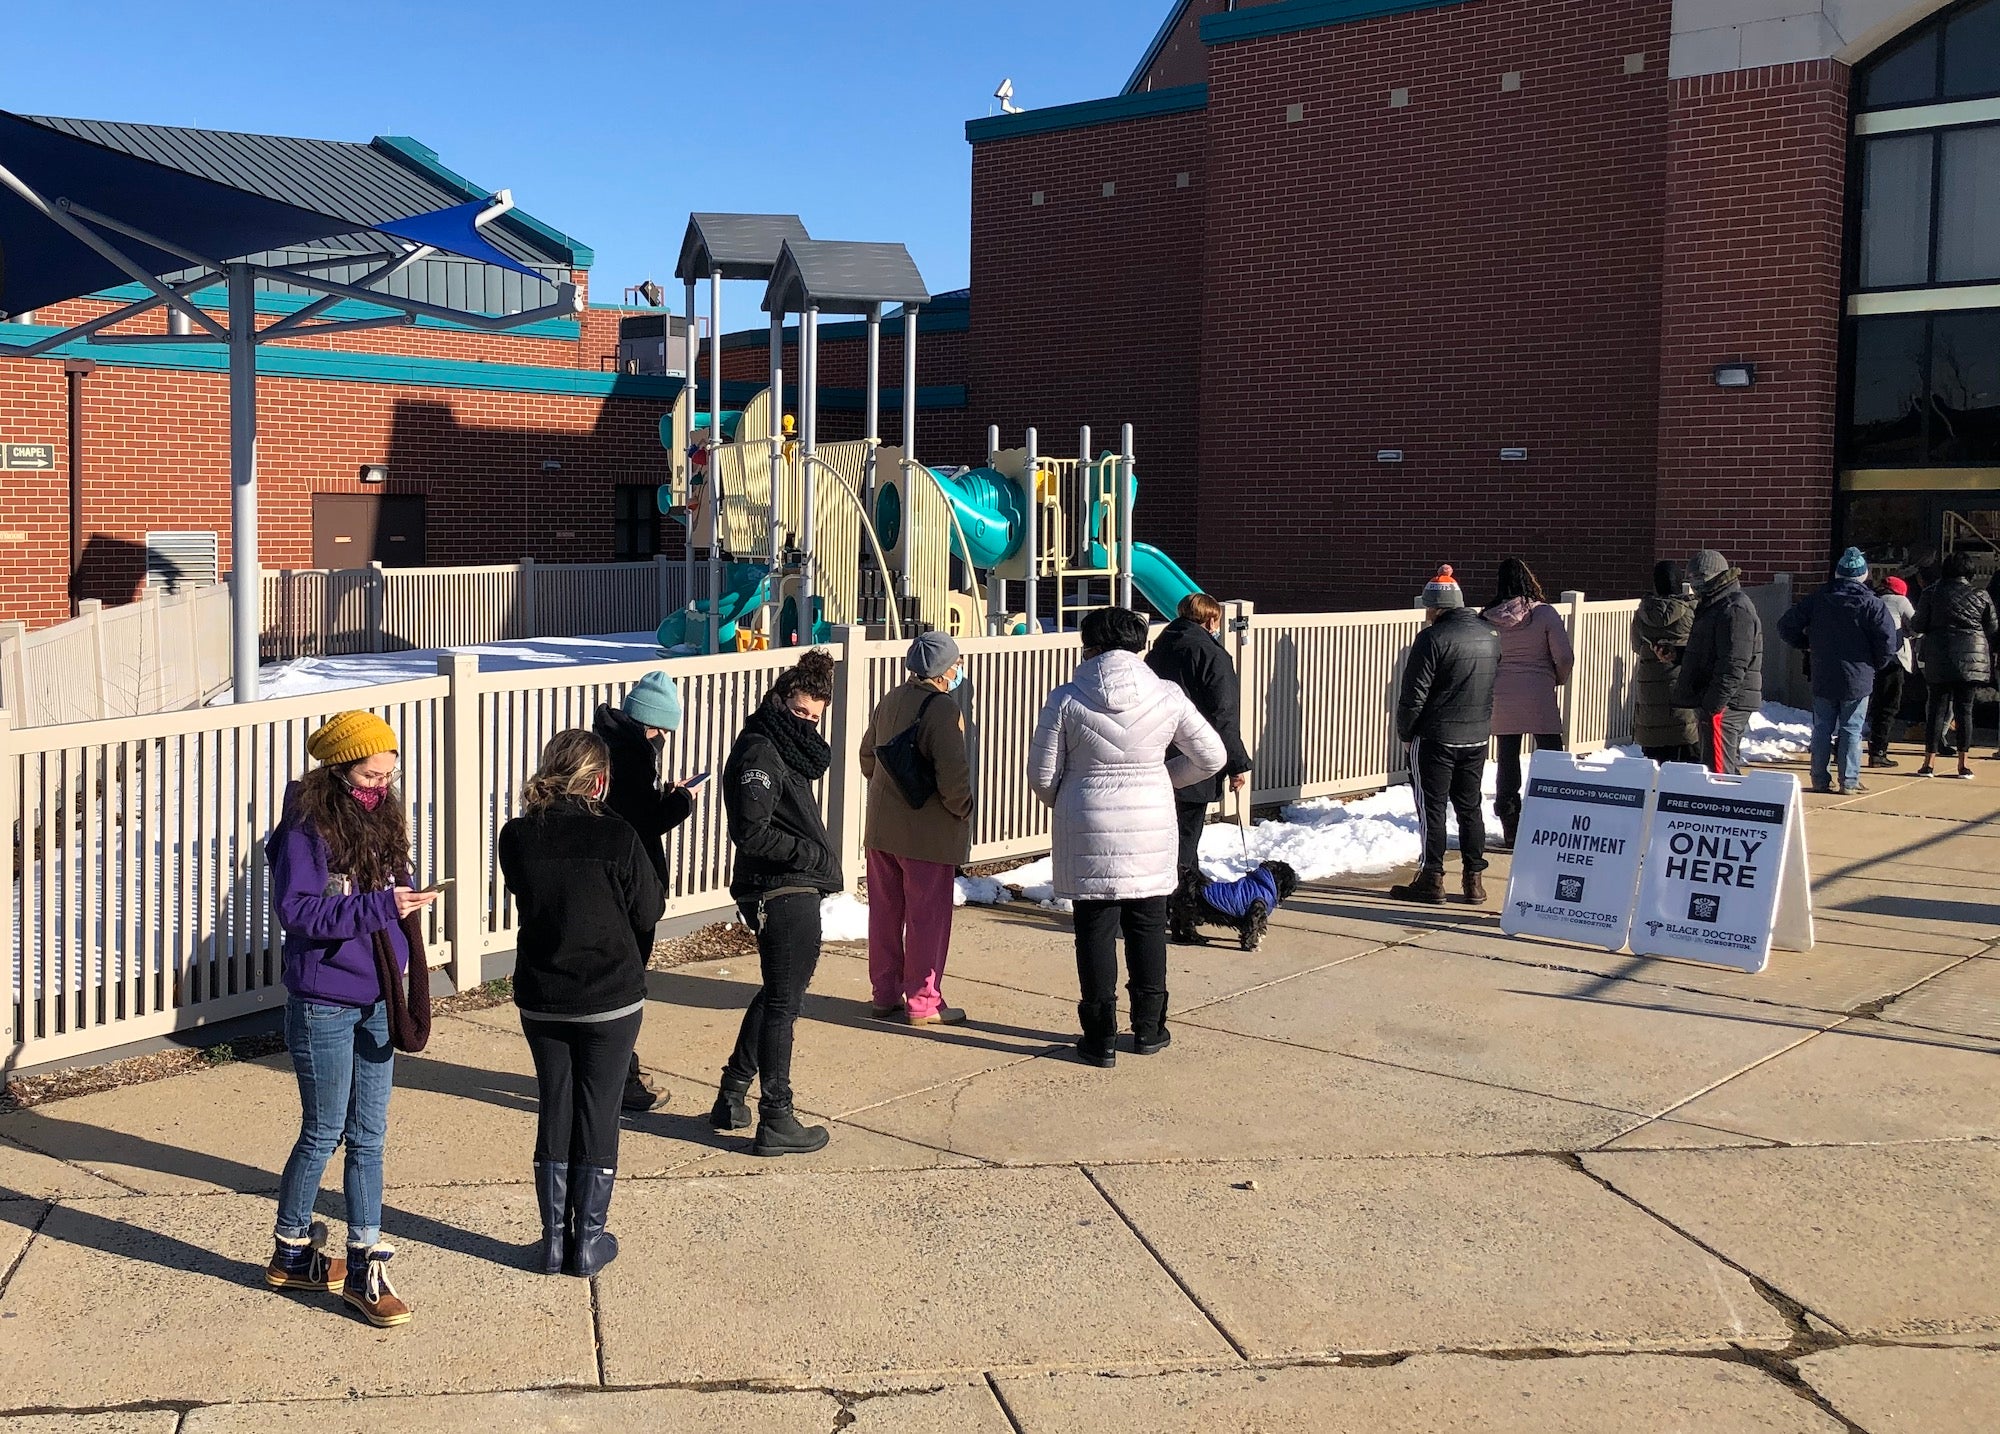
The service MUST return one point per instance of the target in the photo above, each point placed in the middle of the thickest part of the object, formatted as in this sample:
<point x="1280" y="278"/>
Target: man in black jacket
<point x="1445" y="712"/>
<point x="1722" y="666"/>
<point x="635" y="732"/>
<point x="1189" y="655"/>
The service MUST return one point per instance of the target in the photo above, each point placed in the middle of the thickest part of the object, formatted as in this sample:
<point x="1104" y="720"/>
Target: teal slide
<point x="1160" y="580"/>
<point x="745" y="588"/>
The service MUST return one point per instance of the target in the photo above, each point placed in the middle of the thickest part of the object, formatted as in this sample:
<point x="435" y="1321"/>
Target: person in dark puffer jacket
<point x="1722" y="666"/>
<point x="1190" y="655"/>
<point x="1665" y="732"/>
<point x="1959" y="626"/>
<point x="635" y="732"/>
<point x="785" y="863"/>
<point x="1445" y="713"/>
<point x="588" y="904"/>
<point x="1850" y="635"/>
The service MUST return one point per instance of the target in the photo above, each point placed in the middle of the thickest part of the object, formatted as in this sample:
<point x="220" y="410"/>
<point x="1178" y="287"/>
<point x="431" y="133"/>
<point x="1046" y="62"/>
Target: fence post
<point x="1249" y="711"/>
<point x="14" y="669"/>
<point x="1573" y="620"/>
<point x="846" y="800"/>
<point x="10" y="1038"/>
<point x="91" y="611"/>
<point x="378" y="607"/>
<point x="458" y="805"/>
<point x="531" y="612"/>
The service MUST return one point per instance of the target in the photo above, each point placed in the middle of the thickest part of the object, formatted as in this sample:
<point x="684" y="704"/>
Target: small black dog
<point x="1244" y="905"/>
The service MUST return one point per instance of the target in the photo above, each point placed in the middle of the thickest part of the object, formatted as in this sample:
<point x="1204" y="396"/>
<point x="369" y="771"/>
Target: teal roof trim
<point x="929" y="321"/>
<point x="1289" y="17"/>
<point x="424" y="159"/>
<point x="1180" y="99"/>
<point x="341" y="366"/>
<point x="280" y="304"/>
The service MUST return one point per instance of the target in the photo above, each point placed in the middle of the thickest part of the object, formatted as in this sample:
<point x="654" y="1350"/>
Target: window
<point x="1896" y="211"/>
<point x="1968" y="247"/>
<point x="1891" y="528"/>
<point x="1954" y="57"/>
<point x="1886" y="411"/>
<point x="635" y="522"/>
<point x="1965" y="388"/>
<point x="1906" y="76"/>
<point x="1972" y="53"/>
<point x="1925" y="390"/>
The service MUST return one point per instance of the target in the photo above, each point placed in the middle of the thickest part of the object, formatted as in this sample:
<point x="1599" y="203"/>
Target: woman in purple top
<point x="1535" y="660"/>
<point x="340" y="864"/>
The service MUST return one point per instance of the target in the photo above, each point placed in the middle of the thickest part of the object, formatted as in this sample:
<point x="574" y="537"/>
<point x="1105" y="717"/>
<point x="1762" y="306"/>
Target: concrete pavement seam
<point x="1171" y="1273"/>
<point x="34" y="1233"/>
<point x="1006" y="1409"/>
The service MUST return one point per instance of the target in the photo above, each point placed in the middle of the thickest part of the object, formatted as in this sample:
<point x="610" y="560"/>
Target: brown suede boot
<point x="1427" y="888"/>
<point x="1475" y="888"/>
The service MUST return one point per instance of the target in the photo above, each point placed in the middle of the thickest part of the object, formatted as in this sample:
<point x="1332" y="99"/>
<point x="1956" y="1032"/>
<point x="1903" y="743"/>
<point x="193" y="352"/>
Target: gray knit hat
<point x="1443" y="590"/>
<point x="931" y="655"/>
<point x="1706" y="566"/>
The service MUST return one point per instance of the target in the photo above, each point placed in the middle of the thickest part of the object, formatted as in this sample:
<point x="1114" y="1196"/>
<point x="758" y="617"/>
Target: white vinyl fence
<point x="159" y="654"/>
<point x="141" y="904"/>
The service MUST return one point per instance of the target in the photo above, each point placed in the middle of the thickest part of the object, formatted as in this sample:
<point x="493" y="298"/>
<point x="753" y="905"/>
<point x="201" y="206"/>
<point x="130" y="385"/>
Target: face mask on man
<point x="957" y="680"/>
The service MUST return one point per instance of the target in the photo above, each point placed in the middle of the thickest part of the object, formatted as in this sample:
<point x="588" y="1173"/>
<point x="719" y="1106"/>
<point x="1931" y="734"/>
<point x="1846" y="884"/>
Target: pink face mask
<point x="369" y="797"/>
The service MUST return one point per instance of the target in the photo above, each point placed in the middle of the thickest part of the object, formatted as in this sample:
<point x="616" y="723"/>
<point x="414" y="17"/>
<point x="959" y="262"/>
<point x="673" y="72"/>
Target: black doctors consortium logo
<point x="1653" y="927"/>
<point x="1704" y="906"/>
<point x="1570" y="889"/>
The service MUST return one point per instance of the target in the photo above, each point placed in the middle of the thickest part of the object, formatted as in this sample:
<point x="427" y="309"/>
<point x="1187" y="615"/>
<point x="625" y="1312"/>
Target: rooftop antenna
<point x="1005" y="94"/>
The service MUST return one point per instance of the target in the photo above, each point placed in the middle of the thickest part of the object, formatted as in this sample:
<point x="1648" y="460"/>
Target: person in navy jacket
<point x="1850" y="635"/>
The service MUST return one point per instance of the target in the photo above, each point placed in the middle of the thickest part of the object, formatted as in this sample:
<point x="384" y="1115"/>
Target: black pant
<point x="1507" y="793"/>
<point x="787" y="931"/>
<point x="580" y="1078"/>
<point x="1449" y="777"/>
<point x="1949" y="701"/>
<point x="1721" y="735"/>
<point x="1190" y="817"/>
<point x="1144" y="923"/>
<point x="1884" y="707"/>
<point x="1683" y="752"/>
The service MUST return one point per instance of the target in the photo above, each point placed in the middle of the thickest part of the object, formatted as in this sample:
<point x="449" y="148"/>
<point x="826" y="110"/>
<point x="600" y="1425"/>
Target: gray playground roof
<point x="843" y="278"/>
<point x="738" y="246"/>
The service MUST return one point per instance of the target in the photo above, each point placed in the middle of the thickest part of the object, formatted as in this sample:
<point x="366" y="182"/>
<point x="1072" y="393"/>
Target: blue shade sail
<point x="453" y="231"/>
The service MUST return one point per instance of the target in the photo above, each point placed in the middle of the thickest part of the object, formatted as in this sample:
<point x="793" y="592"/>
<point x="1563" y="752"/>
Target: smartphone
<point x="696" y="780"/>
<point x="434" y="888"/>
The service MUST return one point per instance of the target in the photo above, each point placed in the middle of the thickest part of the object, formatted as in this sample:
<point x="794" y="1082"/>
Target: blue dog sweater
<point x="1233" y="898"/>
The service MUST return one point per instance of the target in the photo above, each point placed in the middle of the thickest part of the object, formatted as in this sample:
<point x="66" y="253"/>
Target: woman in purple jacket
<point x="340" y="864"/>
<point x="1535" y="660"/>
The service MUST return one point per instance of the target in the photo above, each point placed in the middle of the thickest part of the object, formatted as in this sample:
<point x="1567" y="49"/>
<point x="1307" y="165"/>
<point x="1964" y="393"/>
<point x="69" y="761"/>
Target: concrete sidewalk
<point x="1397" y="1173"/>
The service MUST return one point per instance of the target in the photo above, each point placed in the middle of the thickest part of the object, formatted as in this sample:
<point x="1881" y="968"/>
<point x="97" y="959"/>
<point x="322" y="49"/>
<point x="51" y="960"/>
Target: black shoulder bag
<point x="914" y="773"/>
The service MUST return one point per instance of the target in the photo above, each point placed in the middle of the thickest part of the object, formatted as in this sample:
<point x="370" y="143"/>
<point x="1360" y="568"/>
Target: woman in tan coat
<point x="916" y="739"/>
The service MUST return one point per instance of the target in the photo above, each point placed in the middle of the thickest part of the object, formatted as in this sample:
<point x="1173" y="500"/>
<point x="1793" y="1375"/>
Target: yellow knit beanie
<point x="350" y="737"/>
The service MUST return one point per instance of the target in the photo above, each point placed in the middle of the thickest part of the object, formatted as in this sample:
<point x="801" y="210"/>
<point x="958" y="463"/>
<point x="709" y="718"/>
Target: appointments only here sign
<point x="1577" y="851"/>
<point x="1725" y="876"/>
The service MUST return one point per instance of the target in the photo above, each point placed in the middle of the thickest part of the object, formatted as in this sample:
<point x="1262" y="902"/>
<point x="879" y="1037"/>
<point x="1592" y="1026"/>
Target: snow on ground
<point x="304" y="676"/>
<point x="1778" y="733"/>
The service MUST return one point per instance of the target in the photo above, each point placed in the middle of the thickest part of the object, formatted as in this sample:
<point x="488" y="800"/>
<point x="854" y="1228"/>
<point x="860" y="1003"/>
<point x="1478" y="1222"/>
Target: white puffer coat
<point x="1099" y="757"/>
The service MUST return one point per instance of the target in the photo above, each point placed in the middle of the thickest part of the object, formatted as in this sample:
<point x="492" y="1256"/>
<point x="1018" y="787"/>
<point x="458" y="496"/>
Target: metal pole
<point x="996" y="586"/>
<point x="75" y="371"/>
<point x="690" y="374"/>
<point x="1125" y="518"/>
<point x="909" y="429"/>
<point x="777" y="536"/>
<point x="874" y="400"/>
<point x="808" y="444"/>
<point x="245" y="583"/>
<point x="1030" y="533"/>
<point x="1080" y="597"/>
<point x="715" y="459"/>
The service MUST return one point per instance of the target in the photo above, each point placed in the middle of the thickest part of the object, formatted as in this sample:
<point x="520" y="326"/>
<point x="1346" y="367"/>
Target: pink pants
<point x="909" y="930"/>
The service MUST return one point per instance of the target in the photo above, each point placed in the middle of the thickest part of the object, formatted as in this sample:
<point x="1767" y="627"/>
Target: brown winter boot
<point x="1427" y="888"/>
<point x="1475" y="888"/>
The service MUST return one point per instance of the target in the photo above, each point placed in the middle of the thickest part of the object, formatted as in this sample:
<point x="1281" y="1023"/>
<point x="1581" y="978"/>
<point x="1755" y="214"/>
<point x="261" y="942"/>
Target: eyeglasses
<point x="374" y="779"/>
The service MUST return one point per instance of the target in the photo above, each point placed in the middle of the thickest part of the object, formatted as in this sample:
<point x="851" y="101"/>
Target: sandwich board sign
<point x="1725" y="877"/>
<point x="1577" y="849"/>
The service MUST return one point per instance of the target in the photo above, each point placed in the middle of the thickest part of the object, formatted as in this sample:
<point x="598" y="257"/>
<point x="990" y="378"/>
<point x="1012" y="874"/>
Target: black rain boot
<point x="1427" y="888"/>
<point x="779" y="1133"/>
<point x="732" y="1105"/>
<point x="1510" y="827"/>
<point x="1149" y="1023"/>
<point x="552" y="1194"/>
<point x="590" y="1196"/>
<point x="1256" y="921"/>
<point x="1099" y="1043"/>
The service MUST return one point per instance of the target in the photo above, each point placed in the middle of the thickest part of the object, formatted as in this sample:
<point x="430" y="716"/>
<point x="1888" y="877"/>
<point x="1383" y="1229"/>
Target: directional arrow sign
<point x="33" y="456"/>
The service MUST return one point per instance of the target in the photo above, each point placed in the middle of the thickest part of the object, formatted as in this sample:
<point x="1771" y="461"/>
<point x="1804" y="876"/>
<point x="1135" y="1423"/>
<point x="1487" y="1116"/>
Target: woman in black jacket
<point x="1959" y="626"/>
<point x="785" y="863"/>
<point x="1189" y="655"/>
<point x="588" y="904"/>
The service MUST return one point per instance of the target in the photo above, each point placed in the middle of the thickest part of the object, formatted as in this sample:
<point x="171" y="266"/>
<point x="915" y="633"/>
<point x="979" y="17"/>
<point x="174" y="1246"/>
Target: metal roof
<point x="843" y="278"/>
<point x="738" y="246"/>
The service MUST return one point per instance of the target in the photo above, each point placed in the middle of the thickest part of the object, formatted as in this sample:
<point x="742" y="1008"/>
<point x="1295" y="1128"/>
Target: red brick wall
<point x="1754" y="226"/>
<point x="1477" y="270"/>
<point x="1087" y="308"/>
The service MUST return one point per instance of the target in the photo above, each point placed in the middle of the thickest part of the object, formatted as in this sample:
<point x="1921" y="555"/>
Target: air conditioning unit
<point x="176" y="562"/>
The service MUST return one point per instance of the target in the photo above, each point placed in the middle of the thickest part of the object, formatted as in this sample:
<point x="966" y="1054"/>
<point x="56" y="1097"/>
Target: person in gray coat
<point x="1099" y="759"/>
<point x="1664" y="731"/>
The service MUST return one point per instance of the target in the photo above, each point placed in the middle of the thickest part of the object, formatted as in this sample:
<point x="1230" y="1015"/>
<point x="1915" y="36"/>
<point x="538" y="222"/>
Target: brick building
<point x="1386" y="282"/>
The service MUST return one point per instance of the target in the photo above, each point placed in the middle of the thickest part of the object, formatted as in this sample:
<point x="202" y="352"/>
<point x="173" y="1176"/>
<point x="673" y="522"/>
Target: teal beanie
<point x="654" y="702"/>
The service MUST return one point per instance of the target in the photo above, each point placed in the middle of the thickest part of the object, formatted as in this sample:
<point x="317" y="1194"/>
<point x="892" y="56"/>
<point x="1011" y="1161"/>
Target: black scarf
<point x="797" y="741"/>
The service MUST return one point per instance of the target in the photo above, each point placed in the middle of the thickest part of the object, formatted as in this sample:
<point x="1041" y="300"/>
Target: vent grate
<point x="176" y="562"/>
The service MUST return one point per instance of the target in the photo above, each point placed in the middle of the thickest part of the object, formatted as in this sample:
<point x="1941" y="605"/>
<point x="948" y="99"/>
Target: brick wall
<point x="1754" y="224"/>
<point x="1087" y="307"/>
<point x="1476" y="269"/>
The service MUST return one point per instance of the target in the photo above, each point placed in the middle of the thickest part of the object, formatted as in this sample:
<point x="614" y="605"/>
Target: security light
<point x="374" y="473"/>
<point x="1735" y="375"/>
<point x="1005" y="94"/>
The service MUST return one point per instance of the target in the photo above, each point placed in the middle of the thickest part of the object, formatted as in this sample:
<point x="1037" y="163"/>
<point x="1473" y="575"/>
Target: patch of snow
<point x="304" y="676"/>
<point x="843" y="917"/>
<point x="980" y="891"/>
<point x="1777" y="734"/>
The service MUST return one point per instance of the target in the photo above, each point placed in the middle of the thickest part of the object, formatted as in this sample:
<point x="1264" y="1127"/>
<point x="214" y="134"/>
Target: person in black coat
<point x="1959" y="627"/>
<point x="785" y="862"/>
<point x="1189" y="655"/>
<point x="635" y="732"/>
<point x="1444" y="711"/>
<point x="588" y="904"/>
<point x="1722" y="666"/>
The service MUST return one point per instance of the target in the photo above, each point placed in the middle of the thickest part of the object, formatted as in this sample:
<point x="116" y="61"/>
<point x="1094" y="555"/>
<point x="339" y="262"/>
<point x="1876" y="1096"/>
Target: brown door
<point x="352" y="530"/>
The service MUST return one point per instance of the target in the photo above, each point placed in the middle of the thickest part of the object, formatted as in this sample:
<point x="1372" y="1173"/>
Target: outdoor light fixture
<point x="1735" y="375"/>
<point x="374" y="473"/>
<point x="1388" y="455"/>
<point x="1005" y="94"/>
<point x="1513" y="455"/>
<point x="551" y="465"/>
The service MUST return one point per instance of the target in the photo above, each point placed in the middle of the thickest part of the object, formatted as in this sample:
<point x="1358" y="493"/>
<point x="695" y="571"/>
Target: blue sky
<point x="611" y="119"/>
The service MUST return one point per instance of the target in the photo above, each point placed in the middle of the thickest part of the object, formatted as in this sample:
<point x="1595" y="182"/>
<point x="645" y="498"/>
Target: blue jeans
<point x="1837" y="729"/>
<point x="346" y="1067"/>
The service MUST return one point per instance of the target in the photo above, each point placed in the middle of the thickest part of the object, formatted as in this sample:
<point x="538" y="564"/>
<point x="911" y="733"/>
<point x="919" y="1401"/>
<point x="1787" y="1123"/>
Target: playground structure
<point x="797" y="537"/>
